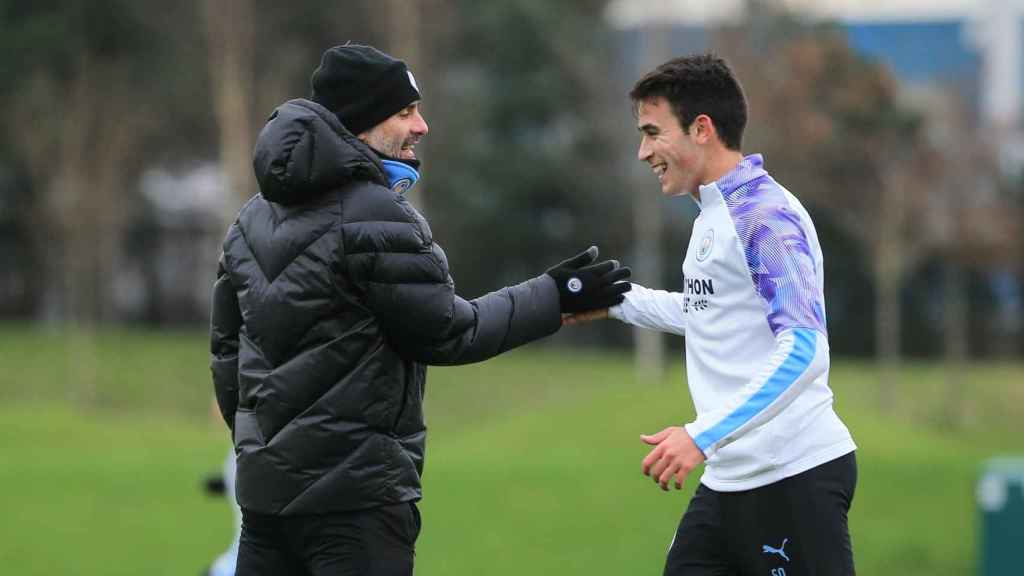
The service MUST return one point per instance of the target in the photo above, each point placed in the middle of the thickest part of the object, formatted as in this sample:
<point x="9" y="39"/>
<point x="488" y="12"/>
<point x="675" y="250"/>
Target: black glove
<point x="585" y="286"/>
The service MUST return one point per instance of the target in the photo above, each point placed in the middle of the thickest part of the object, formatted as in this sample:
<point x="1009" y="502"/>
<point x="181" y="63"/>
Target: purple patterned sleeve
<point x="778" y="255"/>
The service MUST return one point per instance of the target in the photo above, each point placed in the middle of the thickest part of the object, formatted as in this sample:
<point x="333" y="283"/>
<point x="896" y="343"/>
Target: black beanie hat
<point x="362" y="86"/>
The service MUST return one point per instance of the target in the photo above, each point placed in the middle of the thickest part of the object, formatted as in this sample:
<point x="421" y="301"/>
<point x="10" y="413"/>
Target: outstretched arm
<point x="407" y="285"/>
<point x="652" y="309"/>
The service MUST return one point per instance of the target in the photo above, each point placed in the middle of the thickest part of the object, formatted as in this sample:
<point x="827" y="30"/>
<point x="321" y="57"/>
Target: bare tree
<point x="405" y="40"/>
<point x="229" y="34"/>
<point x="81" y="155"/>
<point x="81" y="160"/>
<point x="647" y="228"/>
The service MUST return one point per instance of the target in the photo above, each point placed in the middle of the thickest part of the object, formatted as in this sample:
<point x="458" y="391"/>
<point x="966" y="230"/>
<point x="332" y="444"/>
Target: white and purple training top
<point x="752" y="310"/>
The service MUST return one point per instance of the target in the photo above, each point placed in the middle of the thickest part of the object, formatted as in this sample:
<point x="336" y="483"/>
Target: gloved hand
<point x="584" y="286"/>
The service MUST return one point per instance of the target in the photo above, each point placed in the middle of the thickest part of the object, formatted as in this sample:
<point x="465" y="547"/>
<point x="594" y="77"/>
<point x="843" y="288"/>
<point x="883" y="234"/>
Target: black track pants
<point x="794" y="527"/>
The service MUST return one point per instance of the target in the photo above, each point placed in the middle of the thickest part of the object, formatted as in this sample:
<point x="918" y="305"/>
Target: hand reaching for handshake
<point x="587" y="289"/>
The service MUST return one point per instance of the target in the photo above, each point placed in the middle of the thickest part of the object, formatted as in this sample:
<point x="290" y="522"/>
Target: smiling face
<point x="398" y="135"/>
<point x="677" y="157"/>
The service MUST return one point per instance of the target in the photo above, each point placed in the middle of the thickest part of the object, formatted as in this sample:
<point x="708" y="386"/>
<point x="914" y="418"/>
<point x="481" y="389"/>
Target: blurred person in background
<point x="780" y="468"/>
<point x="330" y="300"/>
<point x="223" y="485"/>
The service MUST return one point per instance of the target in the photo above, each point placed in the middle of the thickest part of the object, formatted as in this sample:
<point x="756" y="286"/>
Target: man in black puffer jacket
<point x="330" y="300"/>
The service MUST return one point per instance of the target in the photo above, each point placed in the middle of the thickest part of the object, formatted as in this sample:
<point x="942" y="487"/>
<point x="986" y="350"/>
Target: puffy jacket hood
<point x="304" y="151"/>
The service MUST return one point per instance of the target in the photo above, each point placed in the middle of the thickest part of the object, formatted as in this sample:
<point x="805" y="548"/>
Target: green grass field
<point x="533" y="461"/>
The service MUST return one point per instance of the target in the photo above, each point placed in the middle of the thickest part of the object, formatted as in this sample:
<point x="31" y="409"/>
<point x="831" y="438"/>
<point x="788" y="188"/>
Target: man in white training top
<point x="780" y="468"/>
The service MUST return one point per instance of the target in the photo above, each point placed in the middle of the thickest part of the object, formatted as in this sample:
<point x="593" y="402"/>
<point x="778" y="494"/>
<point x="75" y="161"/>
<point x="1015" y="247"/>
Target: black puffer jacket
<point x="330" y="299"/>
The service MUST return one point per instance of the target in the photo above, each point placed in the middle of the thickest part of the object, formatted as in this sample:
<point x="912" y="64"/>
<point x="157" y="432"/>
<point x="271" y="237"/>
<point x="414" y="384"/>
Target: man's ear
<point x="704" y="129"/>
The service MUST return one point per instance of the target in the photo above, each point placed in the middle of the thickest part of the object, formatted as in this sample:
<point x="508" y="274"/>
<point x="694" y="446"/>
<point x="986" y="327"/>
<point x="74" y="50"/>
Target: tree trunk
<point x="405" y="42"/>
<point x="955" y="342"/>
<point x="889" y="270"/>
<point x="229" y="37"/>
<point x="647" y="239"/>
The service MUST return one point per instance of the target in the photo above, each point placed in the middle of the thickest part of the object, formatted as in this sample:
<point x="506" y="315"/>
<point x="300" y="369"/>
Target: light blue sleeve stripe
<point x="796" y="363"/>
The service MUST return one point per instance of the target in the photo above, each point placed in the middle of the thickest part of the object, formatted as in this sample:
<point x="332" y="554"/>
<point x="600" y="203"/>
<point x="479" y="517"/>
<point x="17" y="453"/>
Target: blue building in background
<point x="922" y="52"/>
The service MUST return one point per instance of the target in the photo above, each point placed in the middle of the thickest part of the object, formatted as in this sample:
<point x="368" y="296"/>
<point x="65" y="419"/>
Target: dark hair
<point x="695" y="85"/>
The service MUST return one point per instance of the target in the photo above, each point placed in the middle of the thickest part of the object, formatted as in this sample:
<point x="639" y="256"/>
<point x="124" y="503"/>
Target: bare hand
<point x="674" y="454"/>
<point x="584" y="317"/>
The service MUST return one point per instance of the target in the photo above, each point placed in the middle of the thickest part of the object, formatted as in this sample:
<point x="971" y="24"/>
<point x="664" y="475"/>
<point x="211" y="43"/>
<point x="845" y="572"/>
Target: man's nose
<point x="420" y="126"/>
<point x="643" y="152"/>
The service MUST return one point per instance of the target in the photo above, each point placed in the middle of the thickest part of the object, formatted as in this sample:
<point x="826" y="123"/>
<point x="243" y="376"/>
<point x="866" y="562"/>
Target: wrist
<point x="616" y="312"/>
<point x="694" y="433"/>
